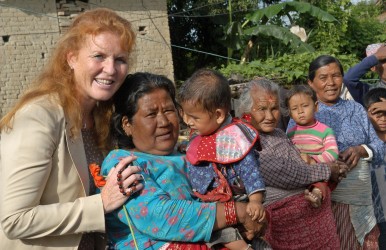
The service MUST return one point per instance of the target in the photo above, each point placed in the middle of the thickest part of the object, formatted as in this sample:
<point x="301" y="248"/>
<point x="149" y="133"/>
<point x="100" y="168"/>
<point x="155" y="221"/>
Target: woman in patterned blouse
<point x="359" y="147"/>
<point x="165" y="214"/>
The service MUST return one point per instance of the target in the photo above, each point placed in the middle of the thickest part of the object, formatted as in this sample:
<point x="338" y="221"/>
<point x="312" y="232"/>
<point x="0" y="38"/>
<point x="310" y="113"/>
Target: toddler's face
<point x="199" y="119"/>
<point x="302" y="109"/>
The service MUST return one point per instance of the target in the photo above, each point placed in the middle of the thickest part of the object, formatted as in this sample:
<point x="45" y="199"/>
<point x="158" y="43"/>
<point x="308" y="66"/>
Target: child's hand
<point x="306" y="158"/>
<point x="378" y="107"/>
<point x="256" y="210"/>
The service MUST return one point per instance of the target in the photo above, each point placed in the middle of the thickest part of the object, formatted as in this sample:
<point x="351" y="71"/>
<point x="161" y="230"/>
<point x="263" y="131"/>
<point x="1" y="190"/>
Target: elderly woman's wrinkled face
<point x="327" y="83"/>
<point x="155" y="126"/>
<point x="265" y="110"/>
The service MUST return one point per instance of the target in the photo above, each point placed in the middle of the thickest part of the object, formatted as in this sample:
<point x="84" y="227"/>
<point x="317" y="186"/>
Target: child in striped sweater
<point x="315" y="140"/>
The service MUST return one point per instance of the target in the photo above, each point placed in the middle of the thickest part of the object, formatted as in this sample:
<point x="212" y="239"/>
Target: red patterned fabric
<point x="295" y="224"/>
<point x="246" y="118"/>
<point x="346" y="230"/>
<point x="187" y="246"/>
<point x="371" y="240"/>
<point x="242" y="139"/>
<point x="221" y="193"/>
<point x="229" y="144"/>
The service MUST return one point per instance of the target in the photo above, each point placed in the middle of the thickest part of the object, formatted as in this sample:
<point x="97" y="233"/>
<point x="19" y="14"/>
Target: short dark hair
<point x="299" y="89"/>
<point x="208" y="88"/>
<point x="321" y="61"/>
<point x="126" y="99"/>
<point x="374" y="95"/>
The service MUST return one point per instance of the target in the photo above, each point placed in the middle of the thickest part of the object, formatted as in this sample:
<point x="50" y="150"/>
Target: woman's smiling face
<point x="99" y="67"/>
<point x="327" y="83"/>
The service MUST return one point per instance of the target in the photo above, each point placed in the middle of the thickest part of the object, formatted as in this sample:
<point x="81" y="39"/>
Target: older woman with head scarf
<point x="294" y="223"/>
<point x="358" y="145"/>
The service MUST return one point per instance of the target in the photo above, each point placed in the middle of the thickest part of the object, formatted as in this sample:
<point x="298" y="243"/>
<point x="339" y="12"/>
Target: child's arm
<point x="330" y="153"/>
<point x="255" y="207"/>
<point x="249" y="173"/>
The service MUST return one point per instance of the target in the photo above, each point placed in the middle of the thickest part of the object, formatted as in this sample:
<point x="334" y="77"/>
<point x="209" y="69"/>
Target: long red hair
<point x="57" y="77"/>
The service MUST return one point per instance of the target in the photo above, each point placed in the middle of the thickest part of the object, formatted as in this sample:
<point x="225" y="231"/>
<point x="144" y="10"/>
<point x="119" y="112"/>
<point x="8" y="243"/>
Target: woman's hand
<point x="252" y="228"/>
<point x="352" y="155"/>
<point x="339" y="171"/>
<point x="112" y="197"/>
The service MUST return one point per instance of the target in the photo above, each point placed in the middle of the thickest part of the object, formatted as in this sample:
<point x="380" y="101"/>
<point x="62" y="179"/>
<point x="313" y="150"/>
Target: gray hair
<point x="260" y="84"/>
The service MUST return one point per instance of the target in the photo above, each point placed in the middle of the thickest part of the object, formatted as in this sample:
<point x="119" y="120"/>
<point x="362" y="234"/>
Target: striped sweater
<point x="318" y="141"/>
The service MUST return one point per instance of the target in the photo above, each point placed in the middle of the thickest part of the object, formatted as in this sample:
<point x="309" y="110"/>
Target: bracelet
<point x="230" y="213"/>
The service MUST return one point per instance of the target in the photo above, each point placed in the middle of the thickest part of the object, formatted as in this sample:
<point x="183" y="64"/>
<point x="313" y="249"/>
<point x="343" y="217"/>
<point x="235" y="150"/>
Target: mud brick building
<point x="29" y="30"/>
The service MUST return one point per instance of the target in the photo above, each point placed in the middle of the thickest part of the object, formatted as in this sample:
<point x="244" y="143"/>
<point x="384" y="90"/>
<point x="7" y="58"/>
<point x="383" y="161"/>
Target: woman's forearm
<point x="251" y="228"/>
<point x="220" y="221"/>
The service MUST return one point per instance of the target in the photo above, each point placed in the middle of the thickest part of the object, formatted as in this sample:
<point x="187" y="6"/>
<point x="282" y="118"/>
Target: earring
<point x="125" y="128"/>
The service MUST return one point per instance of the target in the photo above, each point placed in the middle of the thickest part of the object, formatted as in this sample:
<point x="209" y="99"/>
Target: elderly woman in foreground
<point x="165" y="214"/>
<point x="294" y="224"/>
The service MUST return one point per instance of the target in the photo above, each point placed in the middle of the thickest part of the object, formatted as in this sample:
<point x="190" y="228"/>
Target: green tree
<point x="273" y="22"/>
<point x="198" y="25"/>
<point x="356" y="27"/>
<point x="259" y="31"/>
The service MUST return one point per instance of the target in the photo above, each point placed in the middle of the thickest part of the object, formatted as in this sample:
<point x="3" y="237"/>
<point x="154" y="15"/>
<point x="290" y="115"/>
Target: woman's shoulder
<point x="356" y="109"/>
<point x="350" y="104"/>
<point x="342" y="107"/>
<point x="40" y="114"/>
<point x="43" y="106"/>
<point x="277" y="135"/>
<point x="112" y="159"/>
<point x="116" y="155"/>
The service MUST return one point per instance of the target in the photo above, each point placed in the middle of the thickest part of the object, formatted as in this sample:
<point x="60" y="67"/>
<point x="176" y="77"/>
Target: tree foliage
<point x="285" y="70"/>
<point x="198" y="25"/>
<point x="261" y="28"/>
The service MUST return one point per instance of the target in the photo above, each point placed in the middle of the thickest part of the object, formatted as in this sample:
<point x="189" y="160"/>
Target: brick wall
<point x="29" y="29"/>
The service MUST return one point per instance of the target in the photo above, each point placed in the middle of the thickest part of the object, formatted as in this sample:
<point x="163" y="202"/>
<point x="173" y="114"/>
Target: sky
<point x="356" y="1"/>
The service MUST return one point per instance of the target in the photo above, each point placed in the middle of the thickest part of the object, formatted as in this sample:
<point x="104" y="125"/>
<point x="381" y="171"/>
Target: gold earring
<point x="124" y="127"/>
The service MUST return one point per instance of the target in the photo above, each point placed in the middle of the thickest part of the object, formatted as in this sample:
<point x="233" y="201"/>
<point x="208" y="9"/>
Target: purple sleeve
<point x="352" y="78"/>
